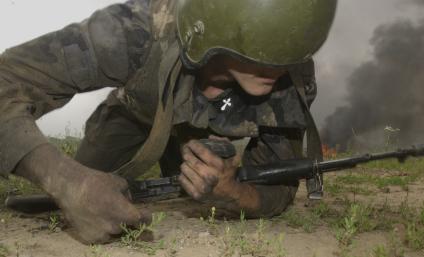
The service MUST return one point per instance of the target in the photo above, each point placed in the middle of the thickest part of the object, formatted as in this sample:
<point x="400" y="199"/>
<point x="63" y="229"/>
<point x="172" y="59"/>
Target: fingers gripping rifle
<point x="268" y="174"/>
<point x="142" y="190"/>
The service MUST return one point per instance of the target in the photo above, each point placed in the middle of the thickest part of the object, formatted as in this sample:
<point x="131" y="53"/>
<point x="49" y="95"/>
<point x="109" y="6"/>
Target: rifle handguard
<point x="277" y="173"/>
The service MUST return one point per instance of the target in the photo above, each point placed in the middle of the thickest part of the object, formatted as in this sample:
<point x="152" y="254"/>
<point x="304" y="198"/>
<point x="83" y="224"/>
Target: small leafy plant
<point x="54" y="221"/>
<point x="4" y="251"/>
<point x="132" y="237"/>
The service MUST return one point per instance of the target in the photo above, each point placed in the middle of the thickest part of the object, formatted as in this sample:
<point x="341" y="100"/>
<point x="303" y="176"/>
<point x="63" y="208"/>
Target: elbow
<point x="274" y="200"/>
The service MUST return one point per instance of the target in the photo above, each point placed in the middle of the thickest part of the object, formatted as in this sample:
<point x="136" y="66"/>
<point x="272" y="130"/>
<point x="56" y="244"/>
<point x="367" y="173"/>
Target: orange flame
<point x="328" y="152"/>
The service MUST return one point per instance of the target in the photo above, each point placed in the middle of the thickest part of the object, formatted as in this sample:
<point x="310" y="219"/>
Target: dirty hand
<point x="204" y="175"/>
<point x="96" y="204"/>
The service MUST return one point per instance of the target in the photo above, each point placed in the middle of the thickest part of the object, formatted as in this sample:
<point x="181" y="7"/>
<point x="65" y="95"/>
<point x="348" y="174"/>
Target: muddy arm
<point x="45" y="73"/>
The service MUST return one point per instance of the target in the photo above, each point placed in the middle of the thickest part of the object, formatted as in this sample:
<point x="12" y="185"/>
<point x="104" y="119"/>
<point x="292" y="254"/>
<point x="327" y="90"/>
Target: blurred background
<point x="370" y="72"/>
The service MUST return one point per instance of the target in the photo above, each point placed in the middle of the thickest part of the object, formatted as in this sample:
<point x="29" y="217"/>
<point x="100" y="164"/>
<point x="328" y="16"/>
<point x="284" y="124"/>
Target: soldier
<point x="183" y="70"/>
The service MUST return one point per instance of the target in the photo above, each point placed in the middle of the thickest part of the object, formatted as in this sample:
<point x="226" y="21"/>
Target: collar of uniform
<point x="204" y="109"/>
<point x="201" y="109"/>
<point x="190" y="105"/>
<point x="183" y="98"/>
<point x="281" y="108"/>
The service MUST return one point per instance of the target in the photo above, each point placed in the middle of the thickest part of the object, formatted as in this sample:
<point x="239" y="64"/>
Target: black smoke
<point x="387" y="91"/>
<point x="417" y="2"/>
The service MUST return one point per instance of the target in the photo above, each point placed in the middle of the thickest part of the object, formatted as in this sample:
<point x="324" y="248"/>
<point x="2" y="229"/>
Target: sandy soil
<point x="184" y="234"/>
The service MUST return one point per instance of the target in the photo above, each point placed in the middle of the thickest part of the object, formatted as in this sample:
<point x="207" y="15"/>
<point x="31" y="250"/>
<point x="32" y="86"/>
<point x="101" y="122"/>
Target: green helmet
<point x="270" y="32"/>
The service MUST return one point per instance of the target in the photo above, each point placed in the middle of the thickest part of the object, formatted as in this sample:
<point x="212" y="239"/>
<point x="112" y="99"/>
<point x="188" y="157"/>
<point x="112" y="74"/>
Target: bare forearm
<point x="48" y="168"/>
<point x="94" y="203"/>
<point x="211" y="179"/>
<point x="244" y="197"/>
<point x="259" y="201"/>
<point x="274" y="200"/>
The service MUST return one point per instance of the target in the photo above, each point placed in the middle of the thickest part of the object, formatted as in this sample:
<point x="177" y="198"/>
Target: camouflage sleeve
<point x="272" y="146"/>
<point x="44" y="74"/>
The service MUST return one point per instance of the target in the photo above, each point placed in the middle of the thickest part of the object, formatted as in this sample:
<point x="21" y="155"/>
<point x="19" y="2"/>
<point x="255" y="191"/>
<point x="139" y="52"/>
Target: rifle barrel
<point x="347" y="163"/>
<point x="281" y="172"/>
<point x="31" y="204"/>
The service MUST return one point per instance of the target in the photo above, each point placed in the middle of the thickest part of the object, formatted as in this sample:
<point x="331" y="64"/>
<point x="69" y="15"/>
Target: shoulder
<point x="135" y="23"/>
<point x="163" y="17"/>
<point x="127" y="31"/>
<point x="132" y="14"/>
<point x="155" y="15"/>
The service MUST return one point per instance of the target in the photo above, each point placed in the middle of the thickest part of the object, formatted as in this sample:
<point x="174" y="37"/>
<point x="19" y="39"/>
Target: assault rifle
<point x="269" y="174"/>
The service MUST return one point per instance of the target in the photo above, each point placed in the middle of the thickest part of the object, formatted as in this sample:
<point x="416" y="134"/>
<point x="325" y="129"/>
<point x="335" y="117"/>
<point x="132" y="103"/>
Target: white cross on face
<point x="227" y="103"/>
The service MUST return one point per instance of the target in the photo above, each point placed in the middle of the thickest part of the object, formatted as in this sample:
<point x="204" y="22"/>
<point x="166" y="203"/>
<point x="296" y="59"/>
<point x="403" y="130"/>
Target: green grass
<point x="379" y="175"/>
<point x="97" y="251"/>
<point x="16" y="186"/>
<point x="133" y="237"/>
<point x="335" y="188"/>
<point x="410" y="165"/>
<point x="238" y="240"/>
<point x="413" y="220"/>
<point x="347" y="219"/>
<point x="380" y="251"/>
<point x="358" y="218"/>
<point x="54" y="223"/>
<point x="415" y="236"/>
<point x="311" y="218"/>
<point x="4" y="251"/>
<point x="379" y="181"/>
<point x="69" y="145"/>
<point x="307" y="221"/>
<point x="350" y="219"/>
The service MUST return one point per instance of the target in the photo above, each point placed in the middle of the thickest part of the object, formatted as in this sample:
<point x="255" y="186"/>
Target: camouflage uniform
<point x="111" y="49"/>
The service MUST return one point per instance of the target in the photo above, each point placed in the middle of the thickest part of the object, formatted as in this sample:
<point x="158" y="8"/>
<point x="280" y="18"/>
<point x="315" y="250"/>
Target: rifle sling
<point x="156" y="142"/>
<point x="313" y="140"/>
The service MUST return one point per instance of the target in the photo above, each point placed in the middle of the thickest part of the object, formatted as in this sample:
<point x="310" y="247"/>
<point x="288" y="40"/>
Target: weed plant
<point x="54" y="222"/>
<point x="4" y="251"/>
<point x="69" y="145"/>
<point x="414" y="219"/>
<point x="238" y="241"/>
<point x="380" y="251"/>
<point x="16" y="186"/>
<point x="97" y="251"/>
<point x="133" y="237"/>
<point x="307" y="221"/>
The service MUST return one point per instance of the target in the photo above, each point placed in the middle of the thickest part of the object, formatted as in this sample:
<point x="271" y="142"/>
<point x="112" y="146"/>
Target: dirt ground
<point x="183" y="233"/>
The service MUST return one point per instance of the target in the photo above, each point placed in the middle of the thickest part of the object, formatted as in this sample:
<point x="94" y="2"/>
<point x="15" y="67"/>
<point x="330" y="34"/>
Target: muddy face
<point x="224" y="71"/>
